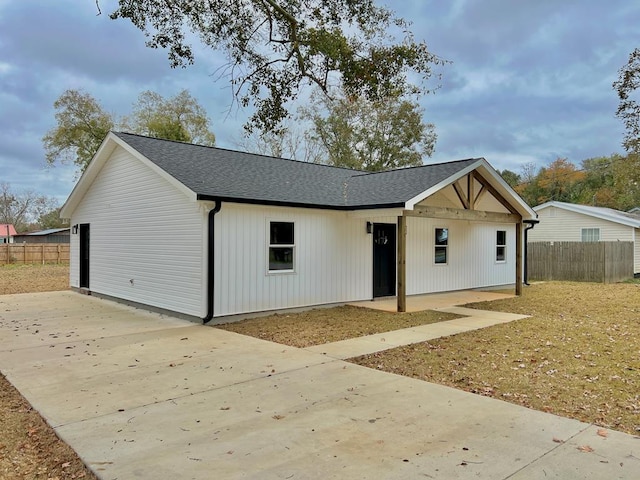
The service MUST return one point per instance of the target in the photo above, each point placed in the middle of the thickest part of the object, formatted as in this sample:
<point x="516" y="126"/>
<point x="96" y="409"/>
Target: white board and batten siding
<point x="560" y="225"/>
<point x="332" y="259"/>
<point x="471" y="256"/>
<point x="146" y="238"/>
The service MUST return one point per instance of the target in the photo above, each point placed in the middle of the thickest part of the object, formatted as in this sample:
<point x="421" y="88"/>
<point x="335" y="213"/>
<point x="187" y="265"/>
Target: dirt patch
<point x="325" y="325"/>
<point x="29" y="448"/>
<point x="33" y="278"/>
<point x="578" y="356"/>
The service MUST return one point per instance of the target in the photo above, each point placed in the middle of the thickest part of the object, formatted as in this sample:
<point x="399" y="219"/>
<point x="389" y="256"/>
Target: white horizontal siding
<point x="559" y="225"/>
<point x="146" y="238"/>
<point x="471" y="256"/>
<point x="333" y="259"/>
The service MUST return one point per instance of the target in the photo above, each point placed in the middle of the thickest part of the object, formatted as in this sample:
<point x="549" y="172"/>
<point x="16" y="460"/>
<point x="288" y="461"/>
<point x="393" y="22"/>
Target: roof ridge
<point x="365" y="173"/>
<point x="214" y="147"/>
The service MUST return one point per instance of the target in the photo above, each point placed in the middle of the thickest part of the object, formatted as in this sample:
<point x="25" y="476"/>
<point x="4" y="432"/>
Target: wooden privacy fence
<point x="604" y="262"/>
<point x="34" y="253"/>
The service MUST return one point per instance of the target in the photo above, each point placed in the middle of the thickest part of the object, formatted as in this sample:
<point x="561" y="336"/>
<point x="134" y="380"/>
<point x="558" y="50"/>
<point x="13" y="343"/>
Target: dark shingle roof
<point x="215" y="173"/>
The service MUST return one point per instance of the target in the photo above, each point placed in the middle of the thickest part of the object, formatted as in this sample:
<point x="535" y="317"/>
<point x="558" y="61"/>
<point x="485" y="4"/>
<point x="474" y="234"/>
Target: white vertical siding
<point x="146" y="238"/>
<point x="471" y="256"/>
<point x="333" y="259"/>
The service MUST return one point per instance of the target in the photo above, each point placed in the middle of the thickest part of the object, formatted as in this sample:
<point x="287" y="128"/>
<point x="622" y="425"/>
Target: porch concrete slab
<point x="237" y="407"/>
<point x="433" y="301"/>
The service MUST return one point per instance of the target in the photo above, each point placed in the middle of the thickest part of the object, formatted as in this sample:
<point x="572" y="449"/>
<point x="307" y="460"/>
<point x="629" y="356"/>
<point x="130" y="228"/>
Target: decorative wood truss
<point x="469" y="199"/>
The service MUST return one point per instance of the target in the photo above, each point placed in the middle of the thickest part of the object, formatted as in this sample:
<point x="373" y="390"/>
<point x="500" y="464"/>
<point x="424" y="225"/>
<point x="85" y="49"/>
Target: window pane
<point x="441" y="255"/>
<point x="501" y="237"/>
<point x="281" y="233"/>
<point x="590" y="234"/>
<point x="442" y="236"/>
<point x="500" y="254"/>
<point x="280" y="258"/>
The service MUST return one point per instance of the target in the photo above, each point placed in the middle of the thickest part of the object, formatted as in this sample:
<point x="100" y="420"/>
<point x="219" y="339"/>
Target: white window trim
<point x="446" y="247"/>
<point x="592" y="230"/>
<point x="269" y="246"/>
<point x="503" y="246"/>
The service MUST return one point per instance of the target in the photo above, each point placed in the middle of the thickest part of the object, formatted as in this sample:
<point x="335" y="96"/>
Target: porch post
<point x="519" y="258"/>
<point x="402" y="264"/>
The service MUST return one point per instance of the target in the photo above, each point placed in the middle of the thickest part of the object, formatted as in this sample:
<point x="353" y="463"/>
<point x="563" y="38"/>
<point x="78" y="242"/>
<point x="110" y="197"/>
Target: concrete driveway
<point x="141" y="395"/>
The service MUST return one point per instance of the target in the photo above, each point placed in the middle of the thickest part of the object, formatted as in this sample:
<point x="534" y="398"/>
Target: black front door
<point x="384" y="259"/>
<point x="84" y="255"/>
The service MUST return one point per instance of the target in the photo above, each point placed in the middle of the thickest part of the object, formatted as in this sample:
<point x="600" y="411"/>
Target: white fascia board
<point x="586" y="210"/>
<point x="105" y="150"/>
<point x="107" y="147"/>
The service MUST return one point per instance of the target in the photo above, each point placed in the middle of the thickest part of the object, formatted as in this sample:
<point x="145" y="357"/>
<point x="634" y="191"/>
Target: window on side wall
<point x="590" y="234"/>
<point x="501" y="246"/>
<point x="441" y="253"/>
<point x="281" y="247"/>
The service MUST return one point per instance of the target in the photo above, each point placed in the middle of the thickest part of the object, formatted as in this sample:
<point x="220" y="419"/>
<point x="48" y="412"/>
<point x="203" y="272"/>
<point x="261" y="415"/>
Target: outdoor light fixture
<point x="369" y="227"/>
<point x="74" y="229"/>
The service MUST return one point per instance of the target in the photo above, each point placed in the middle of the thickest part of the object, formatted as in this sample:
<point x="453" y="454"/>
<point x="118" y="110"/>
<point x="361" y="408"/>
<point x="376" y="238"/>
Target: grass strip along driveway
<point x="577" y="356"/>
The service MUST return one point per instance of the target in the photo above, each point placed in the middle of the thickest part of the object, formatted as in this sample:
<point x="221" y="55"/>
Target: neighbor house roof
<point x="3" y="230"/>
<point x="624" y="218"/>
<point x="50" y="231"/>
<point x="213" y="173"/>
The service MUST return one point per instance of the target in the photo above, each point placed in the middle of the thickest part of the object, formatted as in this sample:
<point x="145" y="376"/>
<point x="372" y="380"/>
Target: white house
<point x="568" y="222"/>
<point x="209" y="232"/>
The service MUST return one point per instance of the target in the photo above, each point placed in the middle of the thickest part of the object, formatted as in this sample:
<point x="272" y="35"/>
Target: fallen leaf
<point x="278" y="417"/>
<point x="66" y="464"/>
<point x="557" y="440"/>
<point x="585" y="448"/>
<point x="603" y="433"/>
<point x="225" y="408"/>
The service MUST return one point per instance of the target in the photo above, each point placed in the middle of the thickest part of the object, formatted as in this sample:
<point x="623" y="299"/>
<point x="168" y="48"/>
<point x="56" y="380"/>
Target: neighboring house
<point x="568" y="222"/>
<point x="209" y="232"/>
<point x="7" y="233"/>
<point x="51" y="235"/>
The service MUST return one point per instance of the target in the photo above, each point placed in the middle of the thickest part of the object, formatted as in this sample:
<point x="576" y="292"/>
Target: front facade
<point x="143" y="233"/>
<point x="567" y="222"/>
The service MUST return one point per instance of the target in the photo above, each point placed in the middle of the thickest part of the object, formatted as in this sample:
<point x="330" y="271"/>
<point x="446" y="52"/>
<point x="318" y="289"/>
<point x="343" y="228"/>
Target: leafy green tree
<point x="626" y="174"/>
<point x="512" y="178"/>
<point x="179" y="118"/>
<point x="275" y="47"/>
<point x="362" y="134"/>
<point x="81" y="125"/>
<point x="628" y="108"/>
<point x="597" y="188"/>
<point x="51" y="219"/>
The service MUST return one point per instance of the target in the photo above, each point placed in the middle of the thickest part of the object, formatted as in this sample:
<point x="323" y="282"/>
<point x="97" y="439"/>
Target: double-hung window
<point x="501" y="246"/>
<point x="281" y="246"/>
<point x="590" y="234"/>
<point x="441" y="253"/>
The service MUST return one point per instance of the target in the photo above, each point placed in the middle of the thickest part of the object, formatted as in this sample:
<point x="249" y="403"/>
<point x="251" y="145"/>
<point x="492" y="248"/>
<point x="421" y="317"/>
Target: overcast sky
<point x="529" y="80"/>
